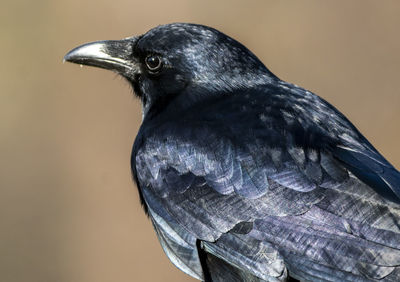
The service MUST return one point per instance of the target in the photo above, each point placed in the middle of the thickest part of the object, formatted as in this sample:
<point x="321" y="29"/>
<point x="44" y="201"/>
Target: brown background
<point x="68" y="208"/>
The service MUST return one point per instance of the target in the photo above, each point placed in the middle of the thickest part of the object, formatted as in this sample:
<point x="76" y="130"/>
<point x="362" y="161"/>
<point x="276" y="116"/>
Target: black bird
<point x="246" y="177"/>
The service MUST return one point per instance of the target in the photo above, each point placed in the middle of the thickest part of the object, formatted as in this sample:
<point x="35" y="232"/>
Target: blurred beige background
<point x="68" y="208"/>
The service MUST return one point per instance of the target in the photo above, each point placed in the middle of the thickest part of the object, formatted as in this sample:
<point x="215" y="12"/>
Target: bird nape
<point x="246" y="177"/>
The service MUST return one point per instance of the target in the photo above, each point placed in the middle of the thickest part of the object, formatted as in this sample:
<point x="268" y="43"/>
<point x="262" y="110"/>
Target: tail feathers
<point x="222" y="271"/>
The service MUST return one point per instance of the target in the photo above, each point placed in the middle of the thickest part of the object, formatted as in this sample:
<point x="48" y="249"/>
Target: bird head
<point x="183" y="62"/>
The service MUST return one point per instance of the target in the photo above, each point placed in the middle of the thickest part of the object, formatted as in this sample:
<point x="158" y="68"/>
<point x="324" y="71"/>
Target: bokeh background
<point x="68" y="208"/>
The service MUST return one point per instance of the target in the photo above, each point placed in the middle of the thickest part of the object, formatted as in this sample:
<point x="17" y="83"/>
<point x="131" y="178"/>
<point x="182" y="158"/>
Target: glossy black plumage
<point x="263" y="178"/>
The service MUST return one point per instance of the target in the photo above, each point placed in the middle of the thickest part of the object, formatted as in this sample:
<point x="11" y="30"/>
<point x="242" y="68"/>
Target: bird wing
<point x="265" y="186"/>
<point x="193" y="197"/>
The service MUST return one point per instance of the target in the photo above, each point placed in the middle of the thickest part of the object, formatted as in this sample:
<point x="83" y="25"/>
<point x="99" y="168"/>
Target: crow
<point x="246" y="177"/>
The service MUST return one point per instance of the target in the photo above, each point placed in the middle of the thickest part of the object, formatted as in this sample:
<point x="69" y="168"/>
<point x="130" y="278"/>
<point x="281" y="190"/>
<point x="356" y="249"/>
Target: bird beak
<point x="113" y="55"/>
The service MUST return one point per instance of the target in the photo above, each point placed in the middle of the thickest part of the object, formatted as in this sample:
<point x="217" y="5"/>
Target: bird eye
<point x="153" y="63"/>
